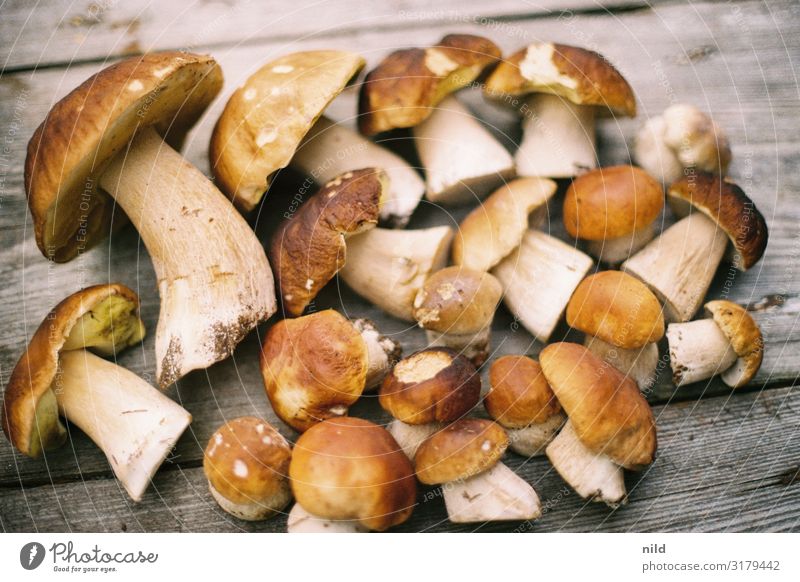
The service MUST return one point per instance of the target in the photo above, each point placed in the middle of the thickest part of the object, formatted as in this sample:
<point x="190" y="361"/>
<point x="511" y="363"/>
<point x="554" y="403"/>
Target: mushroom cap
<point x="308" y="249"/>
<point x="432" y="385"/>
<point x="617" y="308"/>
<point x="725" y="203"/>
<point x="608" y="203"/>
<point x="247" y="462"/>
<point x="520" y="395"/>
<point x="351" y="469"/>
<point x="29" y="415"/>
<point x="457" y="300"/>
<point x="88" y="127"/>
<point x="405" y="87"/>
<point x="744" y="336"/>
<point x="460" y="450"/>
<point x="314" y="367"/>
<point x="607" y="409"/>
<point x="266" y="119"/>
<point x="494" y="229"/>
<point x="579" y="75"/>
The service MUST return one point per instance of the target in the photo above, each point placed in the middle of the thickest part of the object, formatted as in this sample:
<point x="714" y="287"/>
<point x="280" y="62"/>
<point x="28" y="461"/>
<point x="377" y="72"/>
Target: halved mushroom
<point x="133" y="423"/>
<point x="105" y="137"/>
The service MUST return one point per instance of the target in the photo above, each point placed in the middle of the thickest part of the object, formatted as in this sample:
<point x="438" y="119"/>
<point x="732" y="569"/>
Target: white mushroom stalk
<point x="532" y="440"/>
<point x="301" y="521"/>
<point x="134" y="424"/>
<point x="640" y="364"/>
<point x="411" y="436"/>
<point x="698" y="350"/>
<point x="614" y="251"/>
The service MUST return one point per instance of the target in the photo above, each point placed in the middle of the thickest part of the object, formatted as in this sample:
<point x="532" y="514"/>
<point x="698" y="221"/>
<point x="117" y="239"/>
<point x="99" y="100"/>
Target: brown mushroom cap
<point x="520" y="395"/>
<point x="246" y="461"/>
<point x="579" y="75"/>
<point x="266" y="119"/>
<point x="403" y="89"/>
<point x="607" y="409"/>
<point x="726" y="204"/>
<point x="608" y="203"/>
<point x="744" y="336"/>
<point x="88" y="127"/>
<point x="351" y="469"/>
<point x="432" y="385"/>
<point x="617" y="308"/>
<point x="30" y="415"/>
<point x="460" y="450"/>
<point x="457" y="300"/>
<point x="308" y="249"/>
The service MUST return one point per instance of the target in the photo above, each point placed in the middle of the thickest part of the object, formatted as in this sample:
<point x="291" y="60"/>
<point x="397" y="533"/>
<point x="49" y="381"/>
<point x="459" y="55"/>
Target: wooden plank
<point x="724" y="464"/>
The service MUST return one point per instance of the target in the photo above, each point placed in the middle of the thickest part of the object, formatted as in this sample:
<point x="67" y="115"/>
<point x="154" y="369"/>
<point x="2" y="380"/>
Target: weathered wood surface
<point x="732" y="59"/>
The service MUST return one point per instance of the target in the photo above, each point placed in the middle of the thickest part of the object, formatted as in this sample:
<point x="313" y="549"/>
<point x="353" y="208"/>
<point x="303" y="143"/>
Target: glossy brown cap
<point x="744" y="336"/>
<point x="520" y="395"/>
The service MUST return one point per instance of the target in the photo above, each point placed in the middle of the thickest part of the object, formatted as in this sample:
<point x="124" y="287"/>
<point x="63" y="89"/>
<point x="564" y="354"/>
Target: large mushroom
<point x="110" y="141"/>
<point x="133" y="423"/>
<point x="564" y="87"/>
<point x="412" y="88"/>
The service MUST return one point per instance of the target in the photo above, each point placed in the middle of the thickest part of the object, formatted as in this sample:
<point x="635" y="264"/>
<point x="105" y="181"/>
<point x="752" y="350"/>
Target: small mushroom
<point x="330" y="149"/>
<point x="623" y="322"/>
<point x="132" y="422"/>
<point x="246" y="463"/>
<point x="351" y="470"/>
<point x="388" y="267"/>
<point x="464" y="457"/>
<point x="316" y="366"/>
<point x="412" y="88"/>
<point x="613" y="209"/>
<point x="610" y="424"/>
<point x="105" y="142"/>
<point x="564" y="88"/>
<point x="680" y="140"/>
<point x="727" y="342"/>
<point x="266" y="119"/>
<point x="522" y="402"/>
<point x="494" y="229"/>
<point x="456" y="307"/>
<point x="426" y="389"/>
<point x="680" y="264"/>
<point x="309" y="247"/>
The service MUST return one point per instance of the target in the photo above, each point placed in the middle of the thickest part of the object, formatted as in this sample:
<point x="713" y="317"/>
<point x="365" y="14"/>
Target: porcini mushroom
<point x="316" y="366"/>
<point x="133" y="423"/>
<point x="266" y="119"/>
<point x="610" y="424"/>
<point x="464" y="457"/>
<point x="680" y="264"/>
<point x="622" y="320"/>
<point x="494" y="229"/>
<point x="348" y="469"/>
<point x="682" y="139"/>
<point x="426" y="389"/>
<point x="388" y="267"/>
<point x="412" y="88"/>
<point x="309" y="247"/>
<point x="456" y="307"/>
<point x="613" y="209"/>
<point x="522" y="402"/>
<point x="565" y="87"/>
<point x="727" y="342"/>
<point x="246" y="463"/>
<point x="105" y="138"/>
<point x="330" y="149"/>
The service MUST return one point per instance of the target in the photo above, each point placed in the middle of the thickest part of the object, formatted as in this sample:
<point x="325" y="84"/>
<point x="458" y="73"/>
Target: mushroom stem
<point x="532" y="440"/>
<point x="680" y="264"/>
<point x="411" y="436"/>
<point x="698" y="350"/>
<point x="213" y="276"/>
<point x="558" y="138"/>
<point x="462" y="160"/>
<point x="474" y="346"/>
<point x="614" y="251"/>
<point x="301" y="521"/>
<point x="538" y="280"/>
<point x="592" y="476"/>
<point x="388" y="267"/>
<point x="382" y="352"/>
<point x="253" y="510"/>
<point x="133" y="423"/>
<point x="494" y="495"/>
<point x="639" y="364"/>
